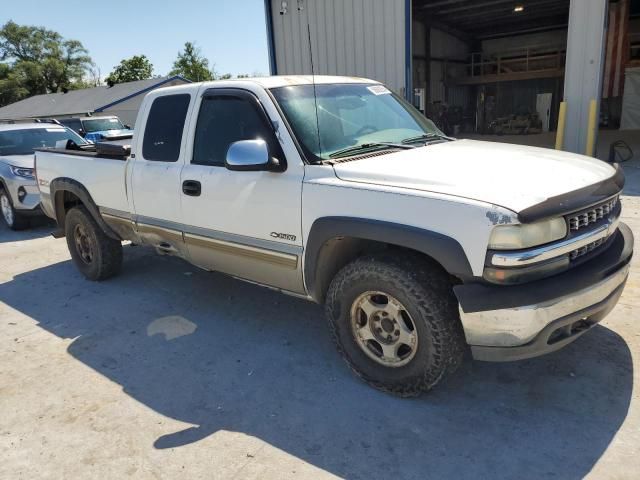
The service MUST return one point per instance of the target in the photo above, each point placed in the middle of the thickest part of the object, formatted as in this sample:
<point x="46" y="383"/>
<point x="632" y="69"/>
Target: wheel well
<point x="65" y="201"/>
<point x="337" y="252"/>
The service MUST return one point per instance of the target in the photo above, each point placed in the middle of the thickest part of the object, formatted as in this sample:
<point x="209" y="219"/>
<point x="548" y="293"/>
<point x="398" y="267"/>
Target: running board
<point x="58" y="233"/>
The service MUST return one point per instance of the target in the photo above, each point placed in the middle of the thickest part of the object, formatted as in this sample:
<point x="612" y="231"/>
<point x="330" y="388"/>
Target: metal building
<point x="363" y="38"/>
<point x="490" y="65"/>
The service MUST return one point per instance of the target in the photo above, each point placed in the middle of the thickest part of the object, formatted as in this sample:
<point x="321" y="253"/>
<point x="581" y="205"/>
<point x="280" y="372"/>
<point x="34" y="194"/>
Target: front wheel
<point x="95" y="254"/>
<point x="395" y="321"/>
<point x="11" y="218"/>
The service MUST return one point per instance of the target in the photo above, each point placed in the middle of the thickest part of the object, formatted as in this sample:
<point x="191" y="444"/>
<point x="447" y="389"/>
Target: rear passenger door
<point x="244" y="223"/>
<point x="156" y="169"/>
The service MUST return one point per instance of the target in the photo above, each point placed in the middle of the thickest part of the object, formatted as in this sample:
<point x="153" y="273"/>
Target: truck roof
<point x="286" y="80"/>
<point x="89" y="117"/>
<point x="23" y="126"/>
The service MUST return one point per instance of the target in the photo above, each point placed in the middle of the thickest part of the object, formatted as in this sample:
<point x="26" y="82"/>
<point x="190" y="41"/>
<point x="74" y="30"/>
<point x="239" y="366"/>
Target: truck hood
<point x="512" y="176"/>
<point x="24" y="161"/>
<point x="101" y="134"/>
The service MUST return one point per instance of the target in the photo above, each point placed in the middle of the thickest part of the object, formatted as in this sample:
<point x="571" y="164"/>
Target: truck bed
<point x="101" y="173"/>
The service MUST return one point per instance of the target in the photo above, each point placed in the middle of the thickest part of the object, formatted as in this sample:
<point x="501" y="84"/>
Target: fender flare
<point x="443" y="249"/>
<point x="63" y="184"/>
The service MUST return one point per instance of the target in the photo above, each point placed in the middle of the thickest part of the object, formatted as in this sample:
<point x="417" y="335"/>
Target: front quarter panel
<point x="466" y="221"/>
<point x="11" y="183"/>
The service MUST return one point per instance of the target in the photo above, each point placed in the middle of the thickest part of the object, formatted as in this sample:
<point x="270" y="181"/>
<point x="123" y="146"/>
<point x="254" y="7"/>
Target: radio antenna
<point x="313" y="82"/>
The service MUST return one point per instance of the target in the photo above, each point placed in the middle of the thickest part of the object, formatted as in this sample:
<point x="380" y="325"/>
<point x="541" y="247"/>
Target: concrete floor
<point x="169" y="372"/>
<point x="548" y="140"/>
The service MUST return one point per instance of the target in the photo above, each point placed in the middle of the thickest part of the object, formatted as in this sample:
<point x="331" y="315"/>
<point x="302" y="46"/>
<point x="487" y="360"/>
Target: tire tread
<point x="430" y="289"/>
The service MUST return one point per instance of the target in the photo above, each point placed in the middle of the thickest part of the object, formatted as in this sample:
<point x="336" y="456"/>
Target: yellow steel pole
<point x="562" y="117"/>
<point x="591" y="132"/>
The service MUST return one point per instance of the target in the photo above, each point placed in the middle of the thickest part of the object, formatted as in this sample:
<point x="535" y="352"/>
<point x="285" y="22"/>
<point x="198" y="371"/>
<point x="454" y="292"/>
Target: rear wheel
<point x="95" y="254"/>
<point x="11" y="217"/>
<point x="395" y="321"/>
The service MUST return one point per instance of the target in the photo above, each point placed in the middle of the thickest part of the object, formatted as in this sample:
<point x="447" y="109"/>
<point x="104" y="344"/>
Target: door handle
<point x="192" y="188"/>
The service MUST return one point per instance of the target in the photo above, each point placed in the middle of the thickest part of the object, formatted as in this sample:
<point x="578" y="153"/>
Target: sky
<point x="230" y="33"/>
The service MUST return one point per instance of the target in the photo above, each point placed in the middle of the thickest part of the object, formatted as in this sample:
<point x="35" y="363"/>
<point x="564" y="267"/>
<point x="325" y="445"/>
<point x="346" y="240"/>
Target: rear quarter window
<point x="164" y="128"/>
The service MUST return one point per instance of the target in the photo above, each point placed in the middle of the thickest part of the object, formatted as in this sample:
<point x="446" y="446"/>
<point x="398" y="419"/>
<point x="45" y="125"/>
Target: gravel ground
<point x="170" y="372"/>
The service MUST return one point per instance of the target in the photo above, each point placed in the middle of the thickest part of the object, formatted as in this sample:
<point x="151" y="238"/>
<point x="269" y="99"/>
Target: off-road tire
<point x="425" y="290"/>
<point x="19" y="222"/>
<point x="106" y="258"/>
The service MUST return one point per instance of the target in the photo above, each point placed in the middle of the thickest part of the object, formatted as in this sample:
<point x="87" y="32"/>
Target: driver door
<point x="244" y="223"/>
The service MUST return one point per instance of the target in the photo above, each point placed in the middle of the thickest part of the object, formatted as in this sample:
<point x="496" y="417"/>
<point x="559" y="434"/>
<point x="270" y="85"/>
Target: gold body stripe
<point x="255" y="253"/>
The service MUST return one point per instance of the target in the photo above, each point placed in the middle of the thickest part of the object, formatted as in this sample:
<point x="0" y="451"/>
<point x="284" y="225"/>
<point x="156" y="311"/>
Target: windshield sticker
<point x="378" y="89"/>
<point x="113" y="120"/>
<point x="54" y="129"/>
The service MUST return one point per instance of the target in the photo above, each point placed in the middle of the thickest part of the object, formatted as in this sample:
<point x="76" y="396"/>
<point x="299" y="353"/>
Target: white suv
<point x="19" y="195"/>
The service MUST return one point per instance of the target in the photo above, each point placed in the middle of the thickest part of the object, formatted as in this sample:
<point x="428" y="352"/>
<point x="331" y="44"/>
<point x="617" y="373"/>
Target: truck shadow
<point x="39" y="228"/>
<point x="224" y="355"/>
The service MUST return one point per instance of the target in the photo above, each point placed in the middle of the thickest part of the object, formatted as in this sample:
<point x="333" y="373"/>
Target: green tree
<point x="226" y="76"/>
<point x="36" y="60"/>
<point x="192" y="65"/>
<point x="131" y="69"/>
<point x="11" y="88"/>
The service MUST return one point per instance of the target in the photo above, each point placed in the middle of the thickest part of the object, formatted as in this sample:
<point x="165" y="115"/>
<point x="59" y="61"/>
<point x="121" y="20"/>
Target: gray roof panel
<point x="80" y="101"/>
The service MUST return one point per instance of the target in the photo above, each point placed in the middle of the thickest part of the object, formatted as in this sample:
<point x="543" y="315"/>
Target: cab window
<point x="164" y="128"/>
<point x="223" y="120"/>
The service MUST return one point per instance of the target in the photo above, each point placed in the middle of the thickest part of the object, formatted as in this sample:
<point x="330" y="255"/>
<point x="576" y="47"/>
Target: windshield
<point x="350" y="115"/>
<point x="23" y="142"/>
<point x="102" y="124"/>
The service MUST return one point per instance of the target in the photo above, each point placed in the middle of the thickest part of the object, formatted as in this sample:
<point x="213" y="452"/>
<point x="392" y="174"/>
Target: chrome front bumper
<point x="511" y="323"/>
<point x="541" y="254"/>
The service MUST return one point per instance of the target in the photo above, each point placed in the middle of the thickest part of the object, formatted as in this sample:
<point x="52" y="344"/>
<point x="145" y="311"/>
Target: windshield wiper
<point x="425" y="136"/>
<point x="367" y="146"/>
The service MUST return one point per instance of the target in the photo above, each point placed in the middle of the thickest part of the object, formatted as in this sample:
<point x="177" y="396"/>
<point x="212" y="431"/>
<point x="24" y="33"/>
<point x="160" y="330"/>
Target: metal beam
<point x="510" y="33"/>
<point x="427" y="5"/>
<point x="584" y="65"/>
<point x="508" y="77"/>
<point x="500" y="5"/>
<point x="496" y="4"/>
<point x="508" y="16"/>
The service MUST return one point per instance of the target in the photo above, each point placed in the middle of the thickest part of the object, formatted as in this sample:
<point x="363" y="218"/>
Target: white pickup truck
<point x="337" y="190"/>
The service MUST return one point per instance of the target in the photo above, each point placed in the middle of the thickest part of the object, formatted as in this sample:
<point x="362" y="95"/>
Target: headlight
<point x="515" y="237"/>
<point x="22" y="172"/>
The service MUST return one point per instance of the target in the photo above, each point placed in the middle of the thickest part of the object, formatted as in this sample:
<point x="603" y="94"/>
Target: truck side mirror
<point x="250" y="156"/>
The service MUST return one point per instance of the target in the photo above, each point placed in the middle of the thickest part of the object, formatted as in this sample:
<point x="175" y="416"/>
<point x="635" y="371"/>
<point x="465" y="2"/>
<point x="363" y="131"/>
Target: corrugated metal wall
<point x="364" y="38"/>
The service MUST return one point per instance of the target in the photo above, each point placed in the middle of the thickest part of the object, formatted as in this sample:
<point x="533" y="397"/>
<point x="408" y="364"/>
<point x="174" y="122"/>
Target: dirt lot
<point x="169" y="372"/>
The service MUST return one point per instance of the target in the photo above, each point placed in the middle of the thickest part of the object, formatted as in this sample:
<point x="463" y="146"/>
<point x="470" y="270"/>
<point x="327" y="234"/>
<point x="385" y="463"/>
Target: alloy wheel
<point x="383" y="329"/>
<point x="7" y="210"/>
<point x="84" y="244"/>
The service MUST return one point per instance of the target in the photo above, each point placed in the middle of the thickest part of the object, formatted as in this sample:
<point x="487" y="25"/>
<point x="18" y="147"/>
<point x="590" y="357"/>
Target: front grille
<point x="592" y="215"/>
<point x="579" y="252"/>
